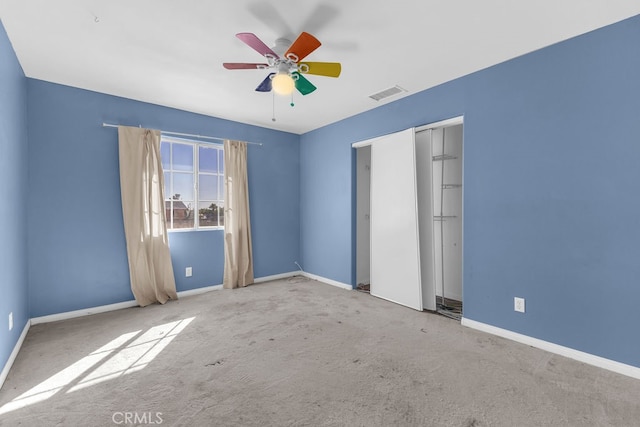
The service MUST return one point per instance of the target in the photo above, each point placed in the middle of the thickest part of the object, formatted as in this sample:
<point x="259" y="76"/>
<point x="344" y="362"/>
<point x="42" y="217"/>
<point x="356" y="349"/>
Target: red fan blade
<point x="256" y="44"/>
<point x="303" y="46"/>
<point x="244" y="66"/>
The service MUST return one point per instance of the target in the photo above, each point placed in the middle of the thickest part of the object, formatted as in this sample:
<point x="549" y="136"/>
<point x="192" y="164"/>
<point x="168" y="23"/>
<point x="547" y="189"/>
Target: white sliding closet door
<point x="395" y="252"/>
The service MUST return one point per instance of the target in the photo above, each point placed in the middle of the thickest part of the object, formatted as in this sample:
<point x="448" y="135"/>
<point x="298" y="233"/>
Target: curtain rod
<point x="109" y="125"/>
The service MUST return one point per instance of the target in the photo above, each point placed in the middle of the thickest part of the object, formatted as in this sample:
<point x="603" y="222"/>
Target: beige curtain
<point x="238" y="258"/>
<point x="142" y="191"/>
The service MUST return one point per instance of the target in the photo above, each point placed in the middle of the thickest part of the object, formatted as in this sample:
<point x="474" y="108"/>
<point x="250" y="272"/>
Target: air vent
<point x="387" y="93"/>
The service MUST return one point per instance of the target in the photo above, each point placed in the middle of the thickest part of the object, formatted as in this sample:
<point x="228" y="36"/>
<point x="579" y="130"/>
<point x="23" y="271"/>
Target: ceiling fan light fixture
<point x="283" y="83"/>
<point x="288" y="71"/>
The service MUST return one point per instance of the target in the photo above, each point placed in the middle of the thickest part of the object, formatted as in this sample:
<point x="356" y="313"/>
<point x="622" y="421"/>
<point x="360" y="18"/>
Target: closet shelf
<point x="443" y="217"/>
<point x="449" y="186"/>
<point x="443" y="157"/>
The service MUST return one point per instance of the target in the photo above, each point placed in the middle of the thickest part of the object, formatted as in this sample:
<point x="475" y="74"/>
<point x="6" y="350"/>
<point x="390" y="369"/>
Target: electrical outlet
<point x="518" y="304"/>
<point x="188" y="272"/>
<point x="11" y="320"/>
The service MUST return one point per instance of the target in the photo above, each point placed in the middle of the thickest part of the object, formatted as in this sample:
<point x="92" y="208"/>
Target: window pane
<point x="183" y="214"/>
<point x="167" y="212"/>
<point x="165" y="155"/>
<point x="221" y="213"/>
<point x="221" y="160"/>
<point x="208" y="187"/>
<point x="207" y="159"/>
<point x="221" y="187"/>
<point x="182" y="157"/>
<point x="167" y="185"/>
<point x="208" y="214"/>
<point x="182" y="186"/>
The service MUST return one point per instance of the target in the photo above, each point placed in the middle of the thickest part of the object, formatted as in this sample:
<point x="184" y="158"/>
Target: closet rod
<point x="192" y="135"/>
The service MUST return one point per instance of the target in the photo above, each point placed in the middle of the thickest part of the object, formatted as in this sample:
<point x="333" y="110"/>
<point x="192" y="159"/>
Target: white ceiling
<point x="170" y="52"/>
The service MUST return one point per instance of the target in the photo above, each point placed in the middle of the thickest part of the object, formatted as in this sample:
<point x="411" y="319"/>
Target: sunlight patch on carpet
<point x="128" y="353"/>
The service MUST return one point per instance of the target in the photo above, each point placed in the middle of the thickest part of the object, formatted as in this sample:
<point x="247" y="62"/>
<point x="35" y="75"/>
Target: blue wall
<point x="77" y="253"/>
<point x="551" y="189"/>
<point x="13" y="209"/>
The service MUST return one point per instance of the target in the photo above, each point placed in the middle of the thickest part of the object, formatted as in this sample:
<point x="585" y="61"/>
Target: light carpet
<point x="298" y="353"/>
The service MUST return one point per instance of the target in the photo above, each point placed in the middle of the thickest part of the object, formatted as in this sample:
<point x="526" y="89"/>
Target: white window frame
<point x="196" y="182"/>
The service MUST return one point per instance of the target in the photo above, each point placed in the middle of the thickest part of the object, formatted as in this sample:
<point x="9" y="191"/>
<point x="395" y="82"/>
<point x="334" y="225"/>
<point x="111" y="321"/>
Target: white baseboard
<point x="14" y="354"/>
<point x="325" y="280"/>
<point x="198" y="291"/>
<point x="84" y="312"/>
<point x="590" y="359"/>
<point x="277" y="277"/>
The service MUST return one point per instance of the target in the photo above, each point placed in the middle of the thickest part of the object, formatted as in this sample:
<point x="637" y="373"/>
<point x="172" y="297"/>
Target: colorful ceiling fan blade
<point x="303" y="85"/>
<point x="265" y="86"/>
<point x="329" y="69"/>
<point x="303" y="46"/>
<point x="256" y="44"/>
<point x="243" y="66"/>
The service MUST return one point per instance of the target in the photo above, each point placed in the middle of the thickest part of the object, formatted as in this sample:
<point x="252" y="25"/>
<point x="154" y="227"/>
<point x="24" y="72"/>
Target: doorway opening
<point x="446" y="155"/>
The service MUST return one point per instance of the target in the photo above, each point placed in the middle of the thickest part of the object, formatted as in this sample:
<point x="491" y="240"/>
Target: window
<point x="193" y="184"/>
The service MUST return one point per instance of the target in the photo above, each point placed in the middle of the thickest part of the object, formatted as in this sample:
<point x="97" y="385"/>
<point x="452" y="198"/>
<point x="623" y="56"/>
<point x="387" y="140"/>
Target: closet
<point x="409" y="217"/>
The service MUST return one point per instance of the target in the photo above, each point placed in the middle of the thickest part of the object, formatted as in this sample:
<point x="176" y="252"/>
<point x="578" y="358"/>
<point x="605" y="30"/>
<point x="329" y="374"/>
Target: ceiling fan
<point x="287" y="65"/>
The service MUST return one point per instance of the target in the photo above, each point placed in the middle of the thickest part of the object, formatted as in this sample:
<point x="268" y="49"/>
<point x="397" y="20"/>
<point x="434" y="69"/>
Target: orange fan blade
<point x="303" y="46"/>
<point x="329" y="69"/>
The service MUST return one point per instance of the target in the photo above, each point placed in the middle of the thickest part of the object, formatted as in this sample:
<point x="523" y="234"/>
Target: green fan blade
<point x="303" y="85"/>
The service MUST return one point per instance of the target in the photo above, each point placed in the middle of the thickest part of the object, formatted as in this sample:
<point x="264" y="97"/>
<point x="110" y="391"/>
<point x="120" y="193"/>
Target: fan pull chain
<point x="292" y="104"/>
<point x="273" y="106"/>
